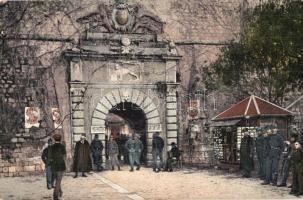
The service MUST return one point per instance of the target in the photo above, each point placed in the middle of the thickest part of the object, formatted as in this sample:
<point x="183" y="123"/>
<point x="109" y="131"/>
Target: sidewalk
<point x="34" y="188"/>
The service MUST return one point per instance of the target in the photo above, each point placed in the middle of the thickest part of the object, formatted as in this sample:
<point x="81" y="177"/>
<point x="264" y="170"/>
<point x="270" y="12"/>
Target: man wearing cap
<point x="134" y="147"/>
<point x="246" y="154"/>
<point x="82" y="161"/>
<point x="112" y="152"/>
<point x="157" y="149"/>
<point x="259" y="149"/>
<point x="96" y="149"/>
<point x="276" y="148"/>
<point x="48" y="169"/>
<point x="57" y="159"/>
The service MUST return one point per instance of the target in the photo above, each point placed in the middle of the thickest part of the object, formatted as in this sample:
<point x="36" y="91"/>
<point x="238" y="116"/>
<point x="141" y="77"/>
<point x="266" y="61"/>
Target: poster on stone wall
<point x="194" y="109"/>
<point x="56" y="115"/>
<point x="32" y="116"/>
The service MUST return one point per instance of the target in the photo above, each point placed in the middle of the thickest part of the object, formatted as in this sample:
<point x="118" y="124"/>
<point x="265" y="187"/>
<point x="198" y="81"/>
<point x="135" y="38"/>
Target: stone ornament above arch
<point x="134" y="96"/>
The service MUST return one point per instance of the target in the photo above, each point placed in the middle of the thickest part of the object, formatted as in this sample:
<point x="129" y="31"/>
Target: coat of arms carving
<point x="122" y="17"/>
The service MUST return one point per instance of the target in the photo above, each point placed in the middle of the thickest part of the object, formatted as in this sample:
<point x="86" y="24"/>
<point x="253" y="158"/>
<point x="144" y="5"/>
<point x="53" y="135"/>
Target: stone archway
<point x="134" y="96"/>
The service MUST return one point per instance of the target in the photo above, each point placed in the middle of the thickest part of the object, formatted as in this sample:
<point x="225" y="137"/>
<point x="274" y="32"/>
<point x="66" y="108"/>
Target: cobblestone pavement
<point x="144" y="184"/>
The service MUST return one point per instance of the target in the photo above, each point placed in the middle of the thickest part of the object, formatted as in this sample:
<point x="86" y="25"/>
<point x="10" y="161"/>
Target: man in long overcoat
<point x="82" y="160"/>
<point x="259" y="149"/>
<point x="297" y="169"/>
<point x="113" y="151"/>
<point x="246" y="154"/>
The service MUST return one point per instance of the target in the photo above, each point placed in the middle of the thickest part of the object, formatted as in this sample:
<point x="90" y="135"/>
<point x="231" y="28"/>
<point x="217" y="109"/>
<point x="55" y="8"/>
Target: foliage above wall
<point x="267" y="61"/>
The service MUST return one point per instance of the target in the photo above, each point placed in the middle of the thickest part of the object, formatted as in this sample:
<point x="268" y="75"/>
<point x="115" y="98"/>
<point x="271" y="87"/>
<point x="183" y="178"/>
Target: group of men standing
<point x="270" y="149"/>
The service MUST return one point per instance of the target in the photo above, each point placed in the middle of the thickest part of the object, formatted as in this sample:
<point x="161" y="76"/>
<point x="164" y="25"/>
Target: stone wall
<point x="33" y="73"/>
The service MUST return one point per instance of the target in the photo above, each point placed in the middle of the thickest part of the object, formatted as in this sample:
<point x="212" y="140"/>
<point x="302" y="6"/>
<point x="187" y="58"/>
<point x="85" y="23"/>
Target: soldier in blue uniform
<point x="134" y="147"/>
<point x="276" y="147"/>
<point x="96" y="149"/>
<point x="285" y="164"/>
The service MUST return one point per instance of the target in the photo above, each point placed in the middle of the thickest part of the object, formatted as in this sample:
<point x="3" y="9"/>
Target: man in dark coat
<point x="57" y="160"/>
<point x="82" y="160"/>
<point x="285" y="164"/>
<point x="173" y="156"/>
<point x="246" y="154"/>
<point x="96" y="149"/>
<point x="157" y="149"/>
<point x="297" y="166"/>
<point x="276" y="147"/>
<point x="259" y="149"/>
<point x="48" y="169"/>
<point x="134" y="147"/>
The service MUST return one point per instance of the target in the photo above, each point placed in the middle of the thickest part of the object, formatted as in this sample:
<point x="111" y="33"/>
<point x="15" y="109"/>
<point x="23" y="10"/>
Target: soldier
<point x="113" y="151"/>
<point x="285" y="163"/>
<point x="48" y="169"/>
<point x="259" y="149"/>
<point x="82" y="160"/>
<point x="134" y="147"/>
<point x="297" y="165"/>
<point x="246" y="154"/>
<point x="157" y="149"/>
<point x="276" y="147"/>
<point x="96" y="149"/>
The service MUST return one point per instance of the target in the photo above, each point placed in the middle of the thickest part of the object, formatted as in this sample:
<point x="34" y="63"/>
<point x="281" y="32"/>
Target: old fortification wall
<point x="33" y="72"/>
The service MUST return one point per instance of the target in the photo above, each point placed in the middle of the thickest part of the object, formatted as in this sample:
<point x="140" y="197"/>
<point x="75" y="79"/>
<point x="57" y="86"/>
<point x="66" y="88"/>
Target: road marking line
<point x="118" y="187"/>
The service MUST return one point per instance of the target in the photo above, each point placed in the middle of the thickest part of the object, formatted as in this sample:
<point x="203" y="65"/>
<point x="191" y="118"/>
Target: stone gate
<point x="121" y="58"/>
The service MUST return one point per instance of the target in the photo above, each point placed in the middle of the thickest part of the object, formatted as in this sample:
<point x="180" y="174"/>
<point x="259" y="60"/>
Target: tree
<point x="267" y="61"/>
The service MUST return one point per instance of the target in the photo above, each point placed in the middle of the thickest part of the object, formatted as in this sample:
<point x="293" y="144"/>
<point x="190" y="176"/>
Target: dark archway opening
<point x="134" y="122"/>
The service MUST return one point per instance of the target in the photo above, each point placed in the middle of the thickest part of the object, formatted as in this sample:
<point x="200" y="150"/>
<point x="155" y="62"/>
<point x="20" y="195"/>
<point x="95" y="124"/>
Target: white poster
<point x="32" y="116"/>
<point x="57" y="118"/>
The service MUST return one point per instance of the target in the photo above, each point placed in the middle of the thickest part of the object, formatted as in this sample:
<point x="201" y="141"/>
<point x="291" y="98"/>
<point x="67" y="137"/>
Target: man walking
<point x="113" y="151"/>
<point x="48" y="169"/>
<point x="246" y="154"/>
<point x="134" y="147"/>
<point x="57" y="160"/>
<point x="157" y="149"/>
<point x="82" y="160"/>
<point x="96" y="149"/>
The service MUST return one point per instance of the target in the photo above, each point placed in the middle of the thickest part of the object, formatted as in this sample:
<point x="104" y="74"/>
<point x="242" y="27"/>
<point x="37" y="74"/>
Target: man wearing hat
<point x="276" y="148"/>
<point x="134" y="147"/>
<point x="246" y="154"/>
<point x="82" y="160"/>
<point x="46" y="160"/>
<point x="259" y="149"/>
<point x="57" y="159"/>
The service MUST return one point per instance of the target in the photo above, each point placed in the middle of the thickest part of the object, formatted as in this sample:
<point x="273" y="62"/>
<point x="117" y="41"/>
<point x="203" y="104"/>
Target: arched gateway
<point x="120" y="64"/>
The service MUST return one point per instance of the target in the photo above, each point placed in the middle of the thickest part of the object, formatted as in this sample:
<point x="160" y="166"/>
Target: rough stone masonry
<point x="35" y="73"/>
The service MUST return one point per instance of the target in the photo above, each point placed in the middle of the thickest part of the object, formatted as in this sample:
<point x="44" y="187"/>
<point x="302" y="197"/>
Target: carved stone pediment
<point x="122" y="18"/>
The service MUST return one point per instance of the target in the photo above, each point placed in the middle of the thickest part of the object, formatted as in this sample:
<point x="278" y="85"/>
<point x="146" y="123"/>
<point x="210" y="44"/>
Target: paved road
<point x="144" y="184"/>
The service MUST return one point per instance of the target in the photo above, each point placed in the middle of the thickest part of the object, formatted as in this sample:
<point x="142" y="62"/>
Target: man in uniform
<point x="96" y="149"/>
<point x="265" y="153"/>
<point x="276" y="147"/>
<point x="82" y="160"/>
<point x="246" y="154"/>
<point x="134" y="147"/>
<point x="113" y="151"/>
<point x="259" y="149"/>
<point x="285" y="163"/>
